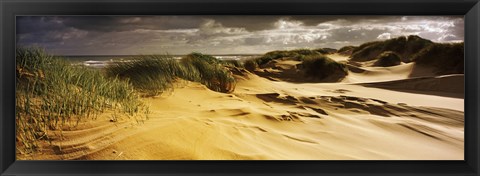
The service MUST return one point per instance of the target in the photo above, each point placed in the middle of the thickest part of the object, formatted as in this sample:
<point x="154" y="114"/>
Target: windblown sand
<point x="374" y="114"/>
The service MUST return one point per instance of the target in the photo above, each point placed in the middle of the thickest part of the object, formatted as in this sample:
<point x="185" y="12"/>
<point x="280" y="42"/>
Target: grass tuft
<point x="150" y="74"/>
<point x="211" y="71"/>
<point x="322" y="67"/>
<point x="154" y="74"/>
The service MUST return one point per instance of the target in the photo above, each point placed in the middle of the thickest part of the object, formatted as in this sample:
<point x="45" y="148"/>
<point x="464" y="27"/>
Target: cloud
<point x="384" y="36"/>
<point x="223" y="34"/>
<point x="288" y="24"/>
<point x="213" y="28"/>
<point x="448" y="37"/>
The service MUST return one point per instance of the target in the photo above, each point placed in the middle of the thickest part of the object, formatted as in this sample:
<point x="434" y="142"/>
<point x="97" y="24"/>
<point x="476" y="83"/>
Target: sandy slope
<point x="265" y="119"/>
<point x="364" y="72"/>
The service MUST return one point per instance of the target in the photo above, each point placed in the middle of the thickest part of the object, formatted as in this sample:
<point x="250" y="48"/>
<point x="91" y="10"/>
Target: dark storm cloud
<point x="124" y="23"/>
<point x="34" y="24"/>
<point x="223" y="34"/>
<point x="105" y="23"/>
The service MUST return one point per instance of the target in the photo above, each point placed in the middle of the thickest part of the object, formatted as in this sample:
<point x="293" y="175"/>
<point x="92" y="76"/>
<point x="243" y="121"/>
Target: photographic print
<point x="239" y="87"/>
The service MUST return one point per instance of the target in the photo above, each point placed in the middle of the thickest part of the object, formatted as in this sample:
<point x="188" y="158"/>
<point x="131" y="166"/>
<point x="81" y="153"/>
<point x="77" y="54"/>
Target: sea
<point x="102" y="61"/>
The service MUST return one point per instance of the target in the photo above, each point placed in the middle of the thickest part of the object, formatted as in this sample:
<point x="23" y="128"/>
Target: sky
<point x="132" y="35"/>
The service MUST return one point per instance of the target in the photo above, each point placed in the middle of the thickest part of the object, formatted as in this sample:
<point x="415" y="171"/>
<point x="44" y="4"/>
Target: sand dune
<point x="376" y="74"/>
<point x="363" y="72"/>
<point x="274" y="120"/>
<point x="358" y="72"/>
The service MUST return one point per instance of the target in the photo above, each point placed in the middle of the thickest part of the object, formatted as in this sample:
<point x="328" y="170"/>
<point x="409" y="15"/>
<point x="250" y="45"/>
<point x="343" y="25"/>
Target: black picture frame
<point x="9" y="9"/>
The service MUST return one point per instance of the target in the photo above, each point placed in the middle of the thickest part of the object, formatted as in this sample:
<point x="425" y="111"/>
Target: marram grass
<point x="154" y="74"/>
<point x="51" y="94"/>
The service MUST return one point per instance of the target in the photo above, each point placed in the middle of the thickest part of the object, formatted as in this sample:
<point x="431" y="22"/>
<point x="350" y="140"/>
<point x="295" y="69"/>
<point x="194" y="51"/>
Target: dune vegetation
<point x="250" y="65"/>
<point x="298" y="55"/>
<point x="326" y="50"/>
<point x="321" y="67"/>
<point x="405" y="47"/>
<point x="313" y="66"/>
<point x="346" y="50"/>
<point x="153" y="74"/>
<point x="148" y="74"/>
<point x="446" y="58"/>
<point x="51" y="95"/>
<point x="387" y="59"/>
